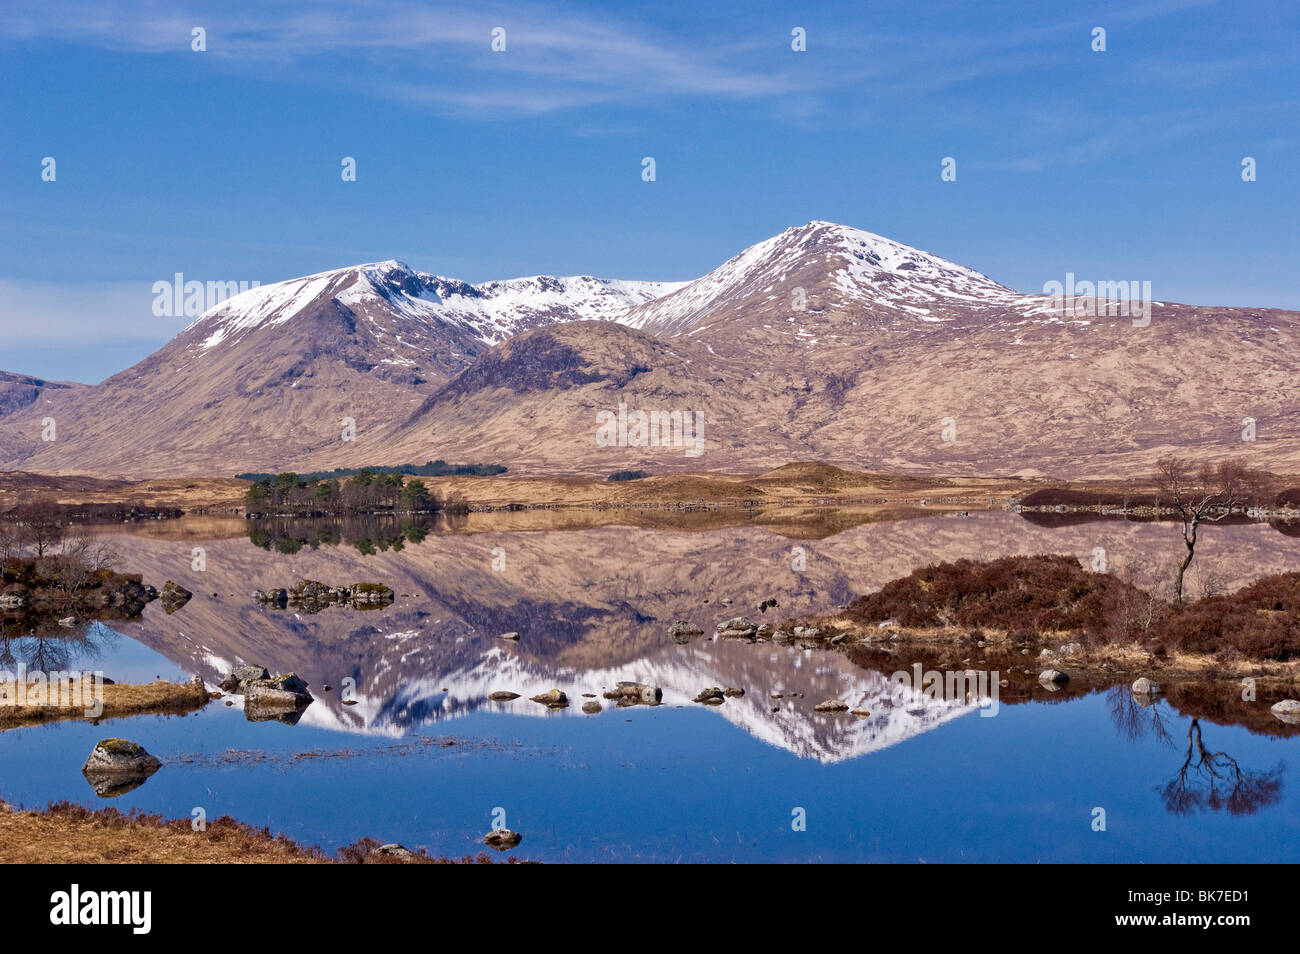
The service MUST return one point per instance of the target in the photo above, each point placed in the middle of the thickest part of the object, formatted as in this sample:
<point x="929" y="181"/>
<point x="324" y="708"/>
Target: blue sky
<point x="225" y="164"/>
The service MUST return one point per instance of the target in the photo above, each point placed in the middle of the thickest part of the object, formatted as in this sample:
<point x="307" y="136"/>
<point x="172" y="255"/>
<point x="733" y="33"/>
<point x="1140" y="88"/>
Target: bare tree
<point x="41" y="525"/>
<point x="10" y="542"/>
<point x="80" y="557"/>
<point x="1204" y="494"/>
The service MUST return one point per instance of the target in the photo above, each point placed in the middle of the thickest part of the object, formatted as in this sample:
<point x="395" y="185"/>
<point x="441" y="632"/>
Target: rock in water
<point x="553" y="698"/>
<point x="116" y="766"/>
<point x="1288" y="710"/>
<point x="370" y="595"/>
<point x="738" y="627"/>
<point x="241" y="675"/>
<point x="591" y="707"/>
<point x="278" y="597"/>
<point x="513" y="637"/>
<point x="502" y="839"/>
<point x="1053" y="678"/>
<point x="832" y="705"/>
<point x="174" y="596"/>
<point x="503" y="695"/>
<point x="273" y="699"/>
<point x="683" y="631"/>
<point x="713" y="696"/>
<point x="635" y="693"/>
<point x="1145" y="687"/>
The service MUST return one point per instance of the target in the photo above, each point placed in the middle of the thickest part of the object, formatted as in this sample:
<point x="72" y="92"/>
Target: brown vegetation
<point x="1026" y="596"/>
<point x="66" y="833"/>
<point x="119" y="700"/>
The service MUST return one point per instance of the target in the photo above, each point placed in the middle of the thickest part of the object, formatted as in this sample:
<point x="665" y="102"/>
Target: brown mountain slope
<point x="824" y="342"/>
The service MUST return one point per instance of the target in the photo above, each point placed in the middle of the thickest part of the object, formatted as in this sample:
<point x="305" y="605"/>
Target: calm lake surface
<point x="425" y="759"/>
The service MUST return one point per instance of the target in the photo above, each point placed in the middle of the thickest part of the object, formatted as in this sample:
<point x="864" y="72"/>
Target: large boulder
<point x="1053" y="678"/>
<point x="116" y="766"/>
<point x="240" y="675"/>
<point x="267" y="699"/>
<point x="174" y="596"/>
<point x="635" y="693"/>
<point x="1145" y="687"/>
<point x="1288" y="710"/>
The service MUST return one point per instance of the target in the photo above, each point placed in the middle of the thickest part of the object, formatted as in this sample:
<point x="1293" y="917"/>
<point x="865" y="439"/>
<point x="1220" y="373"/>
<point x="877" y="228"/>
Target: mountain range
<point x="822" y="342"/>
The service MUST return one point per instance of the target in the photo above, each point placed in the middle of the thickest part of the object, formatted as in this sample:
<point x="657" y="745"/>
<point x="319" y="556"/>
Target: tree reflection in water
<point x="47" y="647"/>
<point x="1206" y="781"/>
<point x="1213" y="781"/>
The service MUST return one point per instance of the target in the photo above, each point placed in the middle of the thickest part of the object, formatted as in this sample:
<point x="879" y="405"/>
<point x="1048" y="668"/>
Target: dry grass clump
<point x="65" y="833"/>
<point x="120" y="699"/>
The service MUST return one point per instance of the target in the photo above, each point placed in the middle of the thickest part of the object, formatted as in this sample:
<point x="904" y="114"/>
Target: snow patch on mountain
<point x="491" y="311"/>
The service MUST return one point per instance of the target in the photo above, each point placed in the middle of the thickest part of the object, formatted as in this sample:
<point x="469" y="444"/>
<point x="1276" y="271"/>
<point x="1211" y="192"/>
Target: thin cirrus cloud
<point x="553" y="60"/>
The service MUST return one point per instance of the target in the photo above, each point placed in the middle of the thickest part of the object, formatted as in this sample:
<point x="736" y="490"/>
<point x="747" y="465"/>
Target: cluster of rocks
<point x="266" y="697"/>
<point x="311" y="596"/>
<point x="635" y="694"/>
<point x="117" y="766"/>
<point x="716" y="695"/>
<point x="105" y="594"/>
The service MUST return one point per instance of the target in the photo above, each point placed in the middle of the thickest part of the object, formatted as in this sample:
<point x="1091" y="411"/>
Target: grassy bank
<point x="70" y="834"/>
<point x="119" y="700"/>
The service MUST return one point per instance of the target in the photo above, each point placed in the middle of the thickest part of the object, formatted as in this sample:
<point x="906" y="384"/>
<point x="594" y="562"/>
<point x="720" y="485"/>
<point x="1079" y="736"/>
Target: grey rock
<point x="683" y="631"/>
<point x="393" y="852"/>
<point x="1288" y="711"/>
<point x="1145" y="687"/>
<point x="553" y="698"/>
<point x="116" y="766"/>
<point x="503" y="695"/>
<point x="1053" y="678"/>
<point x="738" y="627"/>
<point x="174" y="596"/>
<point x="635" y="693"/>
<point x="502" y="839"/>
<point x="832" y="705"/>
<point x="241" y="675"/>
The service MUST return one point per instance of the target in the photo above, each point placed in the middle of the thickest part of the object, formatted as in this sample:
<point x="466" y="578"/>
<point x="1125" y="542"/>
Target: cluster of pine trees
<point x="367" y="491"/>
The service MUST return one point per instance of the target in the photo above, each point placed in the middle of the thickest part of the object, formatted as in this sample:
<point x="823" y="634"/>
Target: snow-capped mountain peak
<point x="490" y="311"/>
<point x="817" y="266"/>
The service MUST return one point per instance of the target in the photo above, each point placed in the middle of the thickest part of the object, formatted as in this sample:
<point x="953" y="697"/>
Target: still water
<point x="425" y="759"/>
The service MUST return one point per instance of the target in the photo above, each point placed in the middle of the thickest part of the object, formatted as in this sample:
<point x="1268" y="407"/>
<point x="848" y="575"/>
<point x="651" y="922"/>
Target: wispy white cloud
<point x="436" y="54"/>
<point x="59" y="314"/>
